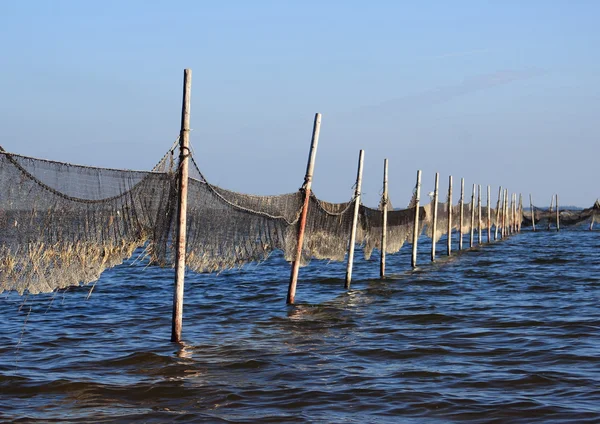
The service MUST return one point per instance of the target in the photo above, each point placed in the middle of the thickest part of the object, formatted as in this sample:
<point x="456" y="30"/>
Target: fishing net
<point x="400" y="228"/>
<point x="228" y="229"/>
<point x="62" y="225"/>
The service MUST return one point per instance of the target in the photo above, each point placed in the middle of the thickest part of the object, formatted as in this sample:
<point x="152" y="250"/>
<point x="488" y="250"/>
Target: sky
<point x="496" y="92"/>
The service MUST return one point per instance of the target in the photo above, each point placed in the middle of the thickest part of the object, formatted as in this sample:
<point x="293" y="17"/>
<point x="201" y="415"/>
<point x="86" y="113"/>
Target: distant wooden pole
<point x="489" y="215"/>
<point x="520" y="213"/>
<point x="532" y="213"/>
<point x="462" y="213"/>
<point x="354" y="220"/>
<point x="184" y="152"/>
<point x="497" y="214"/>
<point x="480" y="224"/>
<point x="551" y="203"/>
<point x="384" y="204"/>
<point x="449" y="215"/>
<point x="504" y="213"/>
<point x="472" y="236"/>
<point x="413" y="261"/>
<point x="557" y="215"/>
<point x="592" y="222"/>
<point x="515" y="208"/>
<point x="435" y="213"/>
<point x="310" y="167"/>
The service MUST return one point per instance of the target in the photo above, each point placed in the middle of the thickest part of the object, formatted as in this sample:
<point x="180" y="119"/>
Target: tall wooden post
<point x="592" y="222"/>
<point x="310" y="167"/>
<point x="384" y="204"/>
<point x="479" y="214"/>
<point x="515" y="208"/>
<point x="435" y="212"/>
<point x="462" y="214"/>
<point x="184" y="152"/>
<point x="489" y="215"/>
<point x="472" y="236"/>
<point x="557" y="215"/>
<point x="532" y="213"/>
<point x="449" y="215"/>
<point x="497" y="214"/>
<point x="354" y="220"/>
<point x="413" y="261"/>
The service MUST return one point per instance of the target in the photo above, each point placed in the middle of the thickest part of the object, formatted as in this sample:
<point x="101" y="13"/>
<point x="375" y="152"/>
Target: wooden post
<point x="497" y="213"/>
<point x="462" y="213"/>
<point x="435" y="211"/>
<point x="504" y="213"/>
<point x="592" y="222"/>
<point x="354" y="220"/>
<point x="472" y="236"/>
<point x="413" y="261"/>
<point x="520" y="213"/>
<point x="449" y="215"/>
<point x="557" y="215"/>
<point x="515" y="208"/>
<point x="489" y="215"/>
<point x="310" y="167"/>
<point x="184" y="152"/>
<point x="532" y="213"/>
<point x="551" y="203"/>
<point x="479" y="214"/>
<point x="384" y="204"/>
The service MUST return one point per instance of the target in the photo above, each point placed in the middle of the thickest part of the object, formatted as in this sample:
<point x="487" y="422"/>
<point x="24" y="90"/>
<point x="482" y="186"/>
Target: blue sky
<point x="500" y="93"/>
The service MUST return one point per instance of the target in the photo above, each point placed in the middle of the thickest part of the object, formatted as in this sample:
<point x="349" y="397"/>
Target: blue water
<point x="507" y="332"/>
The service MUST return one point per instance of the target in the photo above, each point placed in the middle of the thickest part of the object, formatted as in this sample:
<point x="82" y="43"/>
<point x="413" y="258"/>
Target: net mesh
<point x="63" y="224"/>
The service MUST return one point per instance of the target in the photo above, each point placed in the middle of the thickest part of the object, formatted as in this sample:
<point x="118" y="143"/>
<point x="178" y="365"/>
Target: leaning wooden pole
<point x="489" y="214"/>
<point x="310" y="167"/>
<point x="462" y="214"/>
<point x="532" y="213"/>
<point x="449" y="241"/>
<point x="184" y="152"/>
<point x="557" y="215"/>
<point x="384" y="206"/>
<point x="480" y="221"/>
<point x="354" y="220"/>
<point x="435" y="213"/>
<point x="413" y="260"/>
<point x="472" y="235"/>
<point x="497" y="214"/>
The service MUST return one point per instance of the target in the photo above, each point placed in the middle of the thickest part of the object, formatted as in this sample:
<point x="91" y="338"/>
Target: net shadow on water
<point x="506" y="332"/>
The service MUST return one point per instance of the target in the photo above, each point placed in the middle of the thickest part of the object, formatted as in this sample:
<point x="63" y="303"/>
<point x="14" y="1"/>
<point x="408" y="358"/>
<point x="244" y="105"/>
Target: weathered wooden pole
<point x="497" y="214"/>
<point x="435" y="212"/>
<point x="462" y="213"/>
<point x="550" y="210"/>
<point x="184" y="152"/>
<point x="384" y="205"/>
<point x="504" y="210"/>
<point x="413" y="261"/>
<point x="310" y="167"/>
<point x="520" y="212"/>
<point x="557" y="215"/>
<point x="449" y="215"/>
<point x="480" y="224"/>
<point x="472" y="235"/>
<point x="489" y="215"/>
<point x="515" y="208"/>
<point x="354" y="220"/>
<point x="592" y="222"/>
<point x="532" y="213"/>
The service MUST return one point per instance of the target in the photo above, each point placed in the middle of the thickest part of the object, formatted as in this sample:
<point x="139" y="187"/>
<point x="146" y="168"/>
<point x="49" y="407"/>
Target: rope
<point x="244" y="209"/>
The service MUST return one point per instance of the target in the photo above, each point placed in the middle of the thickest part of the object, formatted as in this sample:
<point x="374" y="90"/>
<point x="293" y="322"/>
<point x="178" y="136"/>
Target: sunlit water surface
<point x="508" y="332"/>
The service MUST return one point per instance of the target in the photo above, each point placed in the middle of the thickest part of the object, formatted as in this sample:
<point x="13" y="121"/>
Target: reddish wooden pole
<point x="306" y="187"/>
